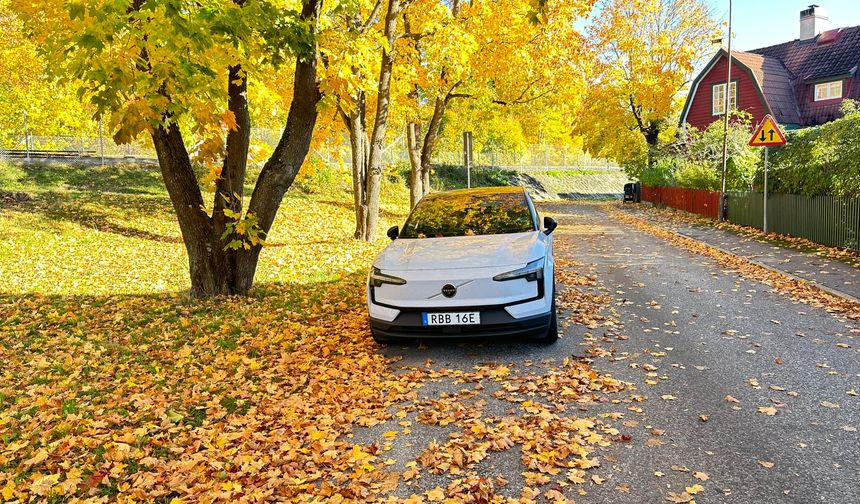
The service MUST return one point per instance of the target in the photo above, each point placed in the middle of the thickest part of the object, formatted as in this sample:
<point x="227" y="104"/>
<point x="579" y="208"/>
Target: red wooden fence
<point x="696" y="201"/>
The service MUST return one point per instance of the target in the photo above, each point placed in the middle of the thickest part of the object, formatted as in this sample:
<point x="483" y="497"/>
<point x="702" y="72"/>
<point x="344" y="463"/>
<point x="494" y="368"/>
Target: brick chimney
<point x="813" y="21"/>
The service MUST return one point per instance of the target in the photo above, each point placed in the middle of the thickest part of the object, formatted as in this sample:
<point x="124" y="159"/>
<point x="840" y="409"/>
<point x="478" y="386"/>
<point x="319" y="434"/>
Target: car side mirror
<point x="393" y="232"/>
<point x="549" y="225"/>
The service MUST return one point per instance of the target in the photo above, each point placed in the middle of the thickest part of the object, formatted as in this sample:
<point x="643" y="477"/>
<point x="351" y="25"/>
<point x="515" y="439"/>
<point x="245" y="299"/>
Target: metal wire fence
<point x="541" y="157"/>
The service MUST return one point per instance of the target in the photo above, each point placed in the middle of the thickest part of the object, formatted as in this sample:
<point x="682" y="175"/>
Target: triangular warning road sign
<point x="767" y="134"/>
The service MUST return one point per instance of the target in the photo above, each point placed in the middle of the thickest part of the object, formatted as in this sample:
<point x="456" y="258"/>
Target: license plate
<point x="452" y="318"/>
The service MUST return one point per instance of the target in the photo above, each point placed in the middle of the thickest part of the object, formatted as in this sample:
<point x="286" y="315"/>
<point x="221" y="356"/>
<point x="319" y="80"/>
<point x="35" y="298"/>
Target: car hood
<point x="461" y="252"/>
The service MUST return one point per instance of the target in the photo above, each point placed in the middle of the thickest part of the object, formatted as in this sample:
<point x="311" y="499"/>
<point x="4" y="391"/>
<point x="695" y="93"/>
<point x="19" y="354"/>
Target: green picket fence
<point x="827" y="220"/>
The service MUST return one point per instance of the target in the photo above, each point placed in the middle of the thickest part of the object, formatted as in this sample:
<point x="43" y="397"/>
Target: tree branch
<point x="373" y="13"/>
<point x="281" y="169"/>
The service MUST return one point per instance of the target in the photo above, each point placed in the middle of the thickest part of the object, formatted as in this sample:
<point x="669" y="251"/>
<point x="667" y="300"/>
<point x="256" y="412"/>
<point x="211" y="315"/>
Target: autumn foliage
<point x="110" y="396"/>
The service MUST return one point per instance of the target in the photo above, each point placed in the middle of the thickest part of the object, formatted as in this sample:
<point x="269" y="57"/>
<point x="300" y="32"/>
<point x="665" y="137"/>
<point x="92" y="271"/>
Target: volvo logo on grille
<point x="449" y="290"/>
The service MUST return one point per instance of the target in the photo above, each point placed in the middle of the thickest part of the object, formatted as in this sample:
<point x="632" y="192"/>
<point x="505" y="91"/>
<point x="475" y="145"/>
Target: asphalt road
<point x="687" y="335"/>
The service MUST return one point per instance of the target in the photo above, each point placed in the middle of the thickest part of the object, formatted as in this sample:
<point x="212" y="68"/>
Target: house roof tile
<point x="775" y="82"/>
<point x="830" y="54"/>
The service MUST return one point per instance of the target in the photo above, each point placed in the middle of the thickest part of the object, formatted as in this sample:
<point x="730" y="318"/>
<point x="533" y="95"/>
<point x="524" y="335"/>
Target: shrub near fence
<point x="697" y="201"/>
<point x="828" y="220"/>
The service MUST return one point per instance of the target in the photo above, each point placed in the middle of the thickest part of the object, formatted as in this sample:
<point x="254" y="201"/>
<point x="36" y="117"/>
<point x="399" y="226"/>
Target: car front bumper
<point x="496" y="322"/>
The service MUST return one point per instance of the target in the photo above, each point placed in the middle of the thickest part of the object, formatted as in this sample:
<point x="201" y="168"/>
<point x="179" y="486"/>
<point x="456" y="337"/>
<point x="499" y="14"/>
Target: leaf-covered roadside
<point x="847" y="256"/>
<point x="799" y="290"/>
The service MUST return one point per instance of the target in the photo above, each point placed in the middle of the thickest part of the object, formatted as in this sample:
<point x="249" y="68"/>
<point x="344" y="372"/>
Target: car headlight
<point x="377" y="278"/>
<point x="532" y="272"/>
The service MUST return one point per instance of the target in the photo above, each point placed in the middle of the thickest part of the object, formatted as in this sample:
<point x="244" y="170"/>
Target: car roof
<point x="479" y="191"/>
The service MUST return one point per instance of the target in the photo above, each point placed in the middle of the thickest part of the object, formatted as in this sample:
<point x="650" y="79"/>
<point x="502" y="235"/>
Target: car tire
<point x="382" y="340"/>
<point x="552" y="332"/>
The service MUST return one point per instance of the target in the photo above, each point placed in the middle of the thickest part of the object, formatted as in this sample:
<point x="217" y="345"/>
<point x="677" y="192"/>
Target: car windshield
<point x="469" y="214"/>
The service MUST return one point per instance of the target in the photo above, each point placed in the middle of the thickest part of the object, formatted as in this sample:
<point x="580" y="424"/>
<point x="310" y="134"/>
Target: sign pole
<point x="467" y="156"/>
<point x="766" y="134"/>
<point x="765" y="191"/>
<point x="26" y="136"/>
<point x="101" y="143"/>
<point x="726" y="102"/>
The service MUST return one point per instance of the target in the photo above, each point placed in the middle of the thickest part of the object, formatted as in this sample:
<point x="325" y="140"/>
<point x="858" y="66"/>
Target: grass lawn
<point x="109" y="230"/>
<point x="115" y="385"/>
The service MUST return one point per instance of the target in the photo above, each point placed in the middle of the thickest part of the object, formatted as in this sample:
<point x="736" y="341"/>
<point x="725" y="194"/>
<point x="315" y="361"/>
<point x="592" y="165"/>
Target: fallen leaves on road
<point x="767" y="410"/>
<point x="796" y="289"/>
<point x="701" y="476"/>
<point x="152" y="401"/>
<point x="766" y="464"/>
<point x="679" y="497"/>
<point x="695" y="489"/>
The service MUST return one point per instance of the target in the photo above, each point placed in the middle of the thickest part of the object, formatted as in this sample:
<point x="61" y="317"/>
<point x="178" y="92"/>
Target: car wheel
<point x="552" y="332"/>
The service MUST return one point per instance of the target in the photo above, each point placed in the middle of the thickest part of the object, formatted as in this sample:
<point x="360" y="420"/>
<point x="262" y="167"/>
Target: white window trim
<point x="829" y="92"/>
<point x="717" y="107"/>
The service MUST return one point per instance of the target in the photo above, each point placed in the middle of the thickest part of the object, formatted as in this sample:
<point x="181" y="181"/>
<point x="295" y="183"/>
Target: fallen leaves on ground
<point x="160" y="398"/>
<point x="767" y="410"/>
<point x="799" y="290"/>
<point x="841" y="254"/>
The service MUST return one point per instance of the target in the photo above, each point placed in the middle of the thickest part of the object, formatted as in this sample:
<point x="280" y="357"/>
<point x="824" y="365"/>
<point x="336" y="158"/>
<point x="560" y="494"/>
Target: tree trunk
<point x="373" y="177"/>
<point x="215" y="270"/>
<point x="431" y="137"/>
<point x="356" y="124"/>
<point x="230" y="185"/>
<point x="416" y="175"/>
<point x="421" y="150"/>
<point x="281" y="169"/>
<point x="207" y="262"/>
<point x="652" y="138"/>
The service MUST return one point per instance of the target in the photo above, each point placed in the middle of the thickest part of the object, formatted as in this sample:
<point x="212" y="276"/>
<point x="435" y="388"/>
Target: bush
<point x="695" y="159"/>
<point x="696" y="175"/>
<point x="703" y="153"/>
<point x="820" y="160"/>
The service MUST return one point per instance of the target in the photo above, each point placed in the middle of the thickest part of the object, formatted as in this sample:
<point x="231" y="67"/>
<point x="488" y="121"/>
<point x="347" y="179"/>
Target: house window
<point x="718" y="97"/>
<point x="828" y="90"/>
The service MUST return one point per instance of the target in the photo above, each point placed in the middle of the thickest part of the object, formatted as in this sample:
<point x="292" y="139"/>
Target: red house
<point x="801" y="83"/>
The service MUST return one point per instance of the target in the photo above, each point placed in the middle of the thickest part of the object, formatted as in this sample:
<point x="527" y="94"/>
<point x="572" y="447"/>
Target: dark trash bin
<point x="633" y="192"/>
<point x="629" y="192"/>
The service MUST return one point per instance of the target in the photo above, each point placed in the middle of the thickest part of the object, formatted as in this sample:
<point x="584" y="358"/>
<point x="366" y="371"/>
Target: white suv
<point x="471" y="262"/>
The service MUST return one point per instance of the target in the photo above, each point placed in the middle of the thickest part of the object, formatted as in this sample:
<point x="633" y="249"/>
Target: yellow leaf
<point x="435" y="495"/>
<point x="8" y="491"/>
<point x="43" y="485"/>
<point x="693" y="490"/>
<point x="767" y="410"/>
